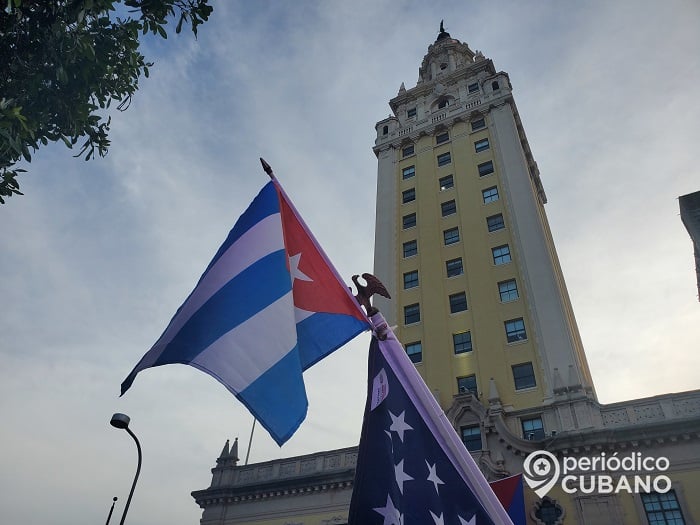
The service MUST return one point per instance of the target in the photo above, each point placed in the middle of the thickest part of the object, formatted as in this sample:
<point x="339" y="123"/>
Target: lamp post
<point x="121" y="421"/>
<point x="111" y="509"/>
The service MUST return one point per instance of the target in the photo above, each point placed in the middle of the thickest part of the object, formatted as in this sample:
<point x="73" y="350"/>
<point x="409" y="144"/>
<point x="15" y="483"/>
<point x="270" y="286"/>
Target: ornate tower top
<point x="444" y="56"/>
<point x="443" y="33"/>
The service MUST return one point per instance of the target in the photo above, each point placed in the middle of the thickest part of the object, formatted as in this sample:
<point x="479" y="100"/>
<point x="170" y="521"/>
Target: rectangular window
<point x="409" y="195"/>
<point x="485" y="168"/>
<point x="442" y="137"/>
<point x="410" y="248"/>
<point x="458" y="303"/>
<point x="448" y="208"/>
<point x="446" y="183"/>
<point x="410" y="279"/>
<point x="409" y="221"/>
<point x="495" y="222"/>
<point x="411" y="313"/>
<point x="515" y="330"/>
<point x="407" y="151"/>
<point x="473" y="88"/>
<point x="501" y="254"/>
<point x="444" y="159"/>
<point x="533" y="429"/>
<point x="467" y="384"/>
<point x="481" y="145"/>
<point x="663" y="509"/>
<point x="451" y="236"/>
<point x="489" y="194"/>
<point x="471" y="436"/>
<point x="524" y="376"/>
<point x="462" y="342"/>
<point x="454" y="267"/>
<point x="409" y="172"/>
<point x="415" y="351"/>
<point x="411" y="112"/>
<point x="478" y="124"/>
<point x="508" y="290"/>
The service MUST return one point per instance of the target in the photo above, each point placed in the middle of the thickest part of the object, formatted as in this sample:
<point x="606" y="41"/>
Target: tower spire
<point x="442" y="34"/>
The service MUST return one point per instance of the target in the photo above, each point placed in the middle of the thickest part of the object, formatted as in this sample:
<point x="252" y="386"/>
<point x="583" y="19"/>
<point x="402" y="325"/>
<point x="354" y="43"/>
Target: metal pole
<point x="111" y="509"/>
<point x="250" y="441"/>
<point x="136" y="477"/>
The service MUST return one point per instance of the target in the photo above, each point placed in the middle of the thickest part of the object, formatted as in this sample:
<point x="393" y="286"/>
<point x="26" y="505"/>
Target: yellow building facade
<point x="463" y="245"/>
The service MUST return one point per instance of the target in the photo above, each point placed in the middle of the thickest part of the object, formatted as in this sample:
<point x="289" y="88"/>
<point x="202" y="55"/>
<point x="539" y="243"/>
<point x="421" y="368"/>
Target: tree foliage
<point x="64" y="62"/>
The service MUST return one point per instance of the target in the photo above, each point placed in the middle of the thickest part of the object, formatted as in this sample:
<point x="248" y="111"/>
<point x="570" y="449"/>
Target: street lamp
<point x="121" y="421"/>
<point x="111" y="509"/>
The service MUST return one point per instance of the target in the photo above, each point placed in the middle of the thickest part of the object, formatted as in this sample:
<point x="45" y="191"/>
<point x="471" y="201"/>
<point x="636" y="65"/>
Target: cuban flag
<point x="509" y="492"/>
<point x="412" y="468"/>
<point x="268" y="306"/>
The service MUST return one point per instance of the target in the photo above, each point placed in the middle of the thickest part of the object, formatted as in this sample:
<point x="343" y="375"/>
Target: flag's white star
<point x="295" y="271"/>
<point x="401" y="476"/>
<point x="398" y="424"/>
<point x="433" y="477"/>
<point x="437" y="519"/>
<point x="472" y="521"/>
<point x="391" y="514"/>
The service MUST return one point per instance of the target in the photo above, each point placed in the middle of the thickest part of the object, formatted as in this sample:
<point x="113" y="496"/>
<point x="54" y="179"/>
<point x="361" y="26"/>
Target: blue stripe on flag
<point x="266" y="203"/>
<point x="320" y="334"/>
<point x="278" y="398"/>
<point x="241" y="298"/>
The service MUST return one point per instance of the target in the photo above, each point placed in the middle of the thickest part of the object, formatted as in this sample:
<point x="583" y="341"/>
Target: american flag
<point x="412" y="467"/>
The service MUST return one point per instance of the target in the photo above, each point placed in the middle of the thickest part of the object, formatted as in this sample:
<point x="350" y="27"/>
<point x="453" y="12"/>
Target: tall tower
<point x="462" y="240"/>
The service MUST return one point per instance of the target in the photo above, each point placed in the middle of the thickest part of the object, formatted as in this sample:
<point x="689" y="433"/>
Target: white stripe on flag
<point x="264" y="238"/>
<point x="271" y="332"/>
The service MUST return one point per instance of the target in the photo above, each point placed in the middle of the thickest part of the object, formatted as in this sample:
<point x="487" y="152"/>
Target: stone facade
<point x="315" y="489"/>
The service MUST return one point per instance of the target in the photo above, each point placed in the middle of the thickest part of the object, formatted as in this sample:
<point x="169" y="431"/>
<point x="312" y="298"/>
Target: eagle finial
<point x="365" y="292"/>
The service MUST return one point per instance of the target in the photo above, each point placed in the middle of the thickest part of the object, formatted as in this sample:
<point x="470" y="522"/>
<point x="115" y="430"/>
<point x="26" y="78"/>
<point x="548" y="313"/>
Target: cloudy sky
<point x="97" y="256"/>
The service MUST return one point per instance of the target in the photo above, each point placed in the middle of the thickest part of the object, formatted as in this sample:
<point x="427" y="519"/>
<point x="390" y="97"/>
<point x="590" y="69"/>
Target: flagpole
<point x="267" y="168"/>
<point x="250" y="441"/>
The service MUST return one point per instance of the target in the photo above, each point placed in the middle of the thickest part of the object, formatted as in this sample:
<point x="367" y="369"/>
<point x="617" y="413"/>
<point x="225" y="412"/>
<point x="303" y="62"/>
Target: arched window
<point x="495" y="86"/>
<point x="443" y="103"/>
<point x="385" y="130"/>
